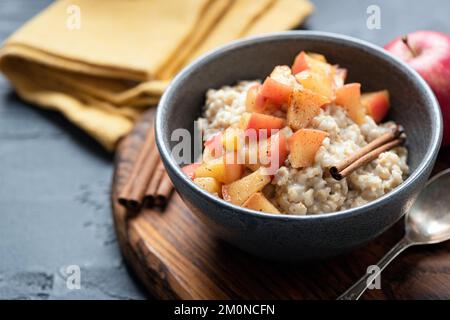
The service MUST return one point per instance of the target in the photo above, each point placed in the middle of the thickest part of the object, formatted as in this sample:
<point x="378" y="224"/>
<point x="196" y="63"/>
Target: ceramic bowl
<point x="290" y="237"/>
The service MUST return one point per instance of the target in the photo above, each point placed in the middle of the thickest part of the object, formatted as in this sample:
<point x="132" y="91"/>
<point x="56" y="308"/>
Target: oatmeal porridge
<point x="314" y="122"/>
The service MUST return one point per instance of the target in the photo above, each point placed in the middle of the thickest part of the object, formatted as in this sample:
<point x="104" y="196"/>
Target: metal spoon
<point x="427" y="222"/>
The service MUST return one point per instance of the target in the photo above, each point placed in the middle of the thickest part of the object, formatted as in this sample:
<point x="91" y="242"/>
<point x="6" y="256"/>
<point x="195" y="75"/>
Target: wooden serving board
<point x="176" y="256"/>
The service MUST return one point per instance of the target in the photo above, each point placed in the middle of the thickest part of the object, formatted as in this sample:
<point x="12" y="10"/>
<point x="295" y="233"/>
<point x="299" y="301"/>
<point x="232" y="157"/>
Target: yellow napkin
<point x="282" y="15"/>
<point x="102" y="62"/>
<point x="249" y="17"/>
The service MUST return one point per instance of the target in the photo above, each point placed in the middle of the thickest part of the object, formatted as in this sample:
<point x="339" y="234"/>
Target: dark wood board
<point x="176" y="256"/>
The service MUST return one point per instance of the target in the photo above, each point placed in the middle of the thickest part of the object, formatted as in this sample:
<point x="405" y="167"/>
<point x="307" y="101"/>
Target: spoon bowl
<point x="429" y="219"/>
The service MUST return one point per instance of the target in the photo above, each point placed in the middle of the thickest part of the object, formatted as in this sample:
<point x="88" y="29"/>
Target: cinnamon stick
<point x="365" y="159"/>
<point x="164" y="191"/>
<point x="152" y="188"/>
<point x="132" y="194"/>
<point x="388" y="136"/>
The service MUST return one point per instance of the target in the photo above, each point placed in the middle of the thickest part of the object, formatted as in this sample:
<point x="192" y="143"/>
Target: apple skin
<point x="431" y="59"/>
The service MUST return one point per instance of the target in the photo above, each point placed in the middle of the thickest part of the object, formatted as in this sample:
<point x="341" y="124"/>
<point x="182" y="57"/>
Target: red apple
<point x="428" y="52"/>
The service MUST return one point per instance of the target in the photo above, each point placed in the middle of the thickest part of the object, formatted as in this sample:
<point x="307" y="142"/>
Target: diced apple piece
<point x="255" y="102"/>
<point x="208" y="155"/>
<point x="283" y="74"/>
<point x="251" y="154"/>
<point x="239" y="191"/>
<point x="213" y="140"/>
<point x="278" y="150"/>
<point x="265" y="106"/>
<point x="303" y="146"/>
<point x="317" y="56"/>
<point x="314" y="63"/>
<point x="252" y="135"/>
<point x="275" y="91"/>
<point x="214" y="168"/>
<point x="273" y="152"/>
<point x="252" y="95"/>
<point x="270" y="153"/>
<point x="253" y="167"/>
<point x="214" y="146"/>
<point x="245" y="118"/>
<point x="324" y="69"/>
<point x="189" y="170"/>
<point x="258" y="121"/>
<point x="259" y="202"/>
<point x="233" y="139"/>
<point x="234" y="167"/>
<point x="300" y="63"/>
<point x="209" y="184"/>
<point x="349" y="97"/>
<point x="377" y="104"/>
<point x="317" y="83"/>
<point x="225" y="169"/>
<point x="303" y="106"/>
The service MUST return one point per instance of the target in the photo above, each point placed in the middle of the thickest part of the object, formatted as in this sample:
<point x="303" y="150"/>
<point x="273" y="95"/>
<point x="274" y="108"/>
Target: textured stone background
<point x="55" y="180"/>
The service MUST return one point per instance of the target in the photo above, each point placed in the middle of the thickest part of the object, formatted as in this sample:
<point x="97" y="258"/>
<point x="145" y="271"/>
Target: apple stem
<point x="406" y="43"/>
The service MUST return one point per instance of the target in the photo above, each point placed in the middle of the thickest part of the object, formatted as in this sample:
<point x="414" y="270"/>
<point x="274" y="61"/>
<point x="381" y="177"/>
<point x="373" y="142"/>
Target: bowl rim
<point x="372" y="49"/>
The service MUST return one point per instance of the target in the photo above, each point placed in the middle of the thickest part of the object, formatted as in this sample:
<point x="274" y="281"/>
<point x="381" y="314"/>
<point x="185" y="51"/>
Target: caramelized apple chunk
<point x="377" y="104"/>
<point x="259" y="202"/>
<point x="239" y="191"/>
<point x="349" y="97"/>
<point x="209" y="184"/>
<point x="225" y="169"/>
<point x="317" y="83"/>
<point x="303" y="146"/>
<point x="303" y="106"/>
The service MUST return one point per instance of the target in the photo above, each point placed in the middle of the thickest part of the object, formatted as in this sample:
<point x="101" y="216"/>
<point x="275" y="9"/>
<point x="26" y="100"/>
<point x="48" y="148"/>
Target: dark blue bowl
<point x="289" y="237"/>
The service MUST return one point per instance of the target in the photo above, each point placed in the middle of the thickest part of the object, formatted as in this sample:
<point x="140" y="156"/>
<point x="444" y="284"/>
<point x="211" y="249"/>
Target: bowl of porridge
<point x="298" y="145"/>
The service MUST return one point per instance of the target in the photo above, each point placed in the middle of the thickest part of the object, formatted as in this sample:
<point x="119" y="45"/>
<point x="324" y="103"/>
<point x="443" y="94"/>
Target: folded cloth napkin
<point x="102" y="62"/>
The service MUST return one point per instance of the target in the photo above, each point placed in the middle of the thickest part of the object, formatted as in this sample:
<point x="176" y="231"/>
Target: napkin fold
<point x="102" y="63"/>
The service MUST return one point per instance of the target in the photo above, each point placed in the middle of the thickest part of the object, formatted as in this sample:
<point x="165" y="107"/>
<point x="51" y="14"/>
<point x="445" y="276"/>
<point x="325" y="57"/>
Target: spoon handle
<point x="356" y="290"/>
